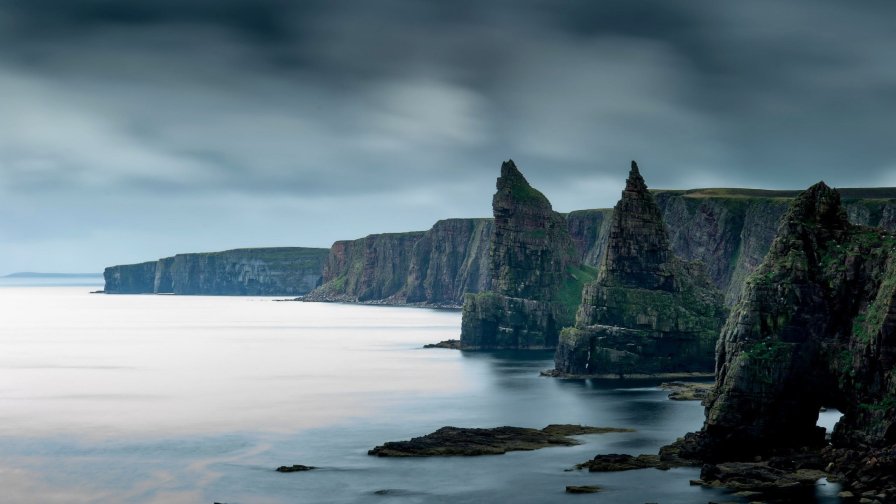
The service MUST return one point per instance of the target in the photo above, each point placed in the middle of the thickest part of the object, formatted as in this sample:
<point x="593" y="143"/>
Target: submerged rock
<point x="470" y="441"/>
<point x="583" y="489"/>
<point x="647" y="312"/>
<point x="537" y="273"/>
<point x="295" y="468"/>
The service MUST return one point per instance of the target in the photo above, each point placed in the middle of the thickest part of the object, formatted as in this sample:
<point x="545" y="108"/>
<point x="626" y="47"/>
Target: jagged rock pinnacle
<point x="510" y="174"/>
<point x="820" y="203"/>
<point x="635" y="181"/>
<point x="638" y="252"/>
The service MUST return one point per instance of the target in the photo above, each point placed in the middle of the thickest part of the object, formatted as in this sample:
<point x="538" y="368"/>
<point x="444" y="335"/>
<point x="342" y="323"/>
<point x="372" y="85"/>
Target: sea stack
<point x="816" y="326"/>
<point x="537" y="276"/>
<point x="648" y="311"/>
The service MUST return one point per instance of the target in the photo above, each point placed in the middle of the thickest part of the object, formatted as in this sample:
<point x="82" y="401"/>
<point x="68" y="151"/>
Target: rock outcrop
<point x="281" y="271"/>
<point x="731" y="230"/>
<point x="816" y="326"/>
<point x="371" y="268"/>
<point x="130" y="278"/>
<point x="648" y="311"/>
<point x="537" y="275"/>
<point x="435" y="267"/>
<point x="450" y="260"/>
<point x="449" y="441"/>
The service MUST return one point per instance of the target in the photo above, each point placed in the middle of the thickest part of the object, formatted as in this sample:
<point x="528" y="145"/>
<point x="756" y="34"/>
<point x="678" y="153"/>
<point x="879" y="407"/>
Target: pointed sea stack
<point x="816" y="326"/>
<point x="648" y="312"/>
<point x="537" y="276"/>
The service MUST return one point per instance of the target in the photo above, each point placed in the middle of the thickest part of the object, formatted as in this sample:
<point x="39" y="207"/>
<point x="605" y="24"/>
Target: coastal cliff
<point x="536" y="273"/>
<point x="816" y="326"/>
<point x="648" y="311"/>
<point x="372" y="268"/>
<point x="729" y="230"/>
<point x="450" y="260"/>
<point x="130" y="278"/>
<point x="279" y="271"/>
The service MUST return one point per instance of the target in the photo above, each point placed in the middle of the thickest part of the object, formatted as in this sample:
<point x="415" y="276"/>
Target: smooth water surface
<point x="117" y="398"/>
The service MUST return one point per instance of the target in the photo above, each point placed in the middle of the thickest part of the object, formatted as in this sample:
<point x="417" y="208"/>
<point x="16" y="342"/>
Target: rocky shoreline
<point x="554" y="373"/>
<point x="452" y="441"/>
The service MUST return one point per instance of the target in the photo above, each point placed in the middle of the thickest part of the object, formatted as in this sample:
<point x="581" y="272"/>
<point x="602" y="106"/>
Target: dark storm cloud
<point x="232" y="117"/>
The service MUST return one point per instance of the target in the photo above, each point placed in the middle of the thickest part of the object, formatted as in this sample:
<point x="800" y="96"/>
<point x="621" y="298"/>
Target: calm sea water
<point x="197" y="399"/>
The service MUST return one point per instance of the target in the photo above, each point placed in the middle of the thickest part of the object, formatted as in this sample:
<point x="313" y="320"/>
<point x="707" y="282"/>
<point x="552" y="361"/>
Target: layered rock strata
<point x="816" y="326"/>
<point x="130" y="278"/>
<point x="282" y="271"/>
<point x="537" y="275"/>
<point x="648" y="311"/>
<point x="372" y="268"/>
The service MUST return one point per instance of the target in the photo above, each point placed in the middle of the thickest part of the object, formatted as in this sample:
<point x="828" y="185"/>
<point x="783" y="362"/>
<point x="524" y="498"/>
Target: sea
<point x="195" y="399"/>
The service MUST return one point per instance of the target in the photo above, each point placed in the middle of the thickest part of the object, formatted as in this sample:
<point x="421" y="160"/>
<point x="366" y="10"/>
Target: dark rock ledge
<point x="496" y="441"/>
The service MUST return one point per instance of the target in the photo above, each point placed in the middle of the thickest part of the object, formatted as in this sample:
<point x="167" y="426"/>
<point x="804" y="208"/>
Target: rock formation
<point x="816" y="326"/>
<point x="647" y="311"/>
<point x="729" y="230"/>
<point x="537" y="276"/>
<point x="435" y="267"/>
<point x="371" y="268"/>
<point x="130" y="278"/>
<point x="450" y="260"/>
<point x="284" y="271"/>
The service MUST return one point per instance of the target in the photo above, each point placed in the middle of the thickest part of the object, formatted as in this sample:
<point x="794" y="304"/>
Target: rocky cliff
<point x="130" y="278"/>
<point x="730" y="230"/>
<point x="648" y="311"/>
<point x="283" y="271"/>
<point x="816" y="326"/>
<point x="589" y="230"/>
<point x="371" y="268"/>
<point x="536" y="271"/>
<point x="450" y="260"/>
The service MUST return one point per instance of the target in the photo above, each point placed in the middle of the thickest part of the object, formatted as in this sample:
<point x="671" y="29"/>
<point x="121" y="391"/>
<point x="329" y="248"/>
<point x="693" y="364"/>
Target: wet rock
<point x="471" y="441"/>
<point x="583" y="489"/>
<point x="295" y="468"/>
<point x="452" y="344"/>
<point x="622" y="462"/>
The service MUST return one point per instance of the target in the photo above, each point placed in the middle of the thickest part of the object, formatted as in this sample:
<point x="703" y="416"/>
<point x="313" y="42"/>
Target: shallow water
<point x="197" y="399"/>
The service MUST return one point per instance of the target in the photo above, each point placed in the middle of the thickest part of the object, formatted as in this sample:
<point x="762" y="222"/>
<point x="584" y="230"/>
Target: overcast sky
<point x="131" y="130"/>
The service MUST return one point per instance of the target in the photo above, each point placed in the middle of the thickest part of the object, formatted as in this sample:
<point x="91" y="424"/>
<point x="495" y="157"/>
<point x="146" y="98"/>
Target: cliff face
<point x="589" y="230"/>
<point x="371" y="268"/>
<point x="816" y="327"/>
<point x="283" y="271"/>
<point x="286" y="271"/>
<point x="647" y="311"/>
<point x="537" y="276"/>
<point x="450" y="260"/>
<point x="130" y="278"/>
<point x="164" y="277"/>
<point x="731" y="230"/>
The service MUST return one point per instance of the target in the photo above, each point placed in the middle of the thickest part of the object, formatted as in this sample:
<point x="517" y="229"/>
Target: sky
<point x="135" y="130"/>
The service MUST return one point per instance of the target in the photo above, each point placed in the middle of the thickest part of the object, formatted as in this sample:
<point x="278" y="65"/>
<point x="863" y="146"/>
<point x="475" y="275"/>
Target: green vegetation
<point x="570" y="294"/>
<point x="521" y="191"/>
<point x="880" y="406"/>
<point x="768" y="350"/>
